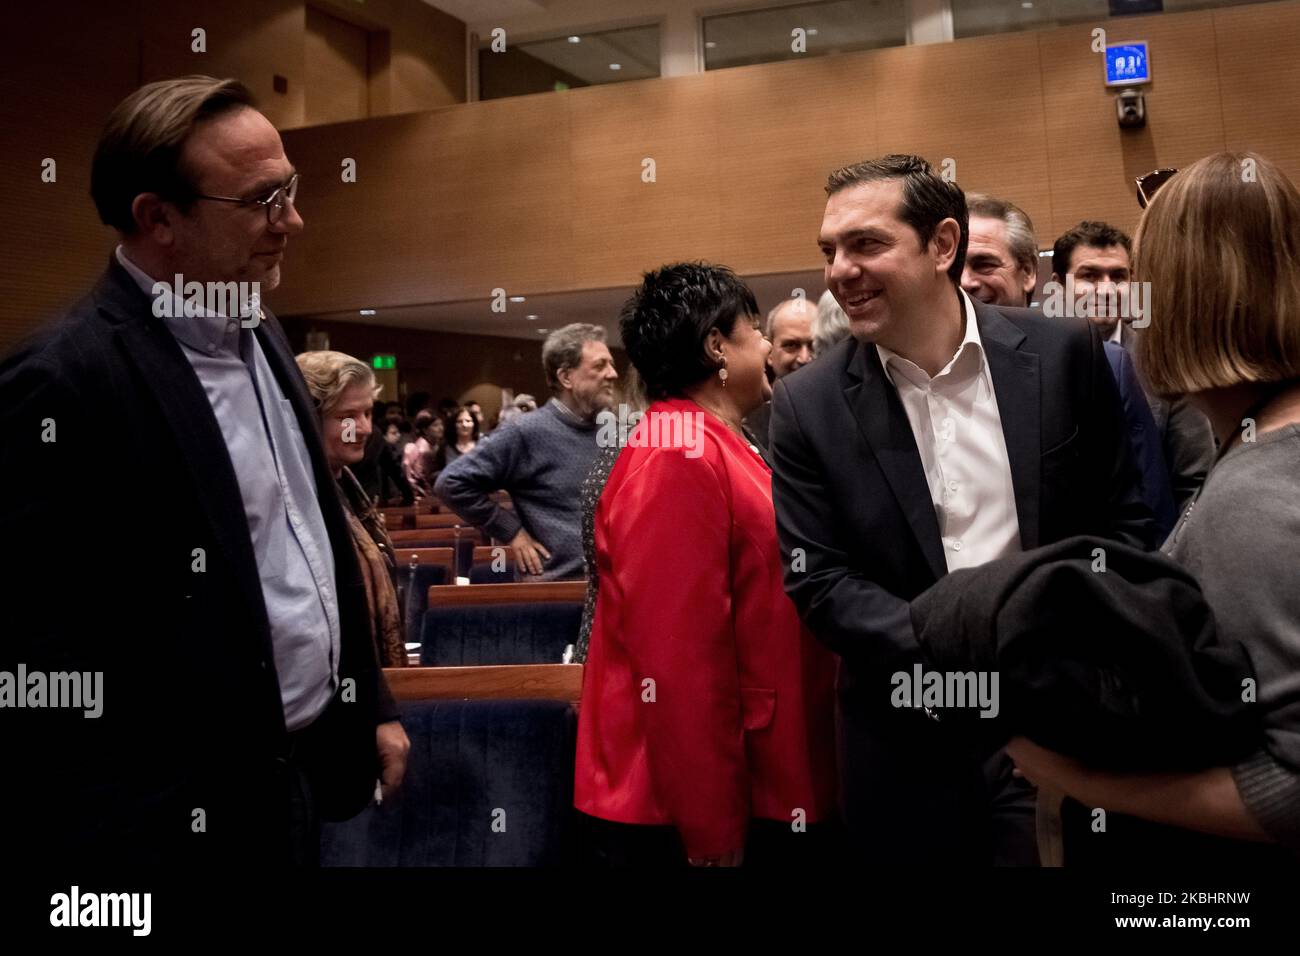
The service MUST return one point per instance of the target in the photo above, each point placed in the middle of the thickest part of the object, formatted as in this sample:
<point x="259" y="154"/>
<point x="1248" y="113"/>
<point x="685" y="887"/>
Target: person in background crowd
<point x="1233" y="347"/>
<point x="476" y="410"/>
<point x="541" y="459"/>
<point x="633" y="399"/>
<point x="342" y="388"/>
<point x="421" y="457"/>
<point x="944" y="434"/>
<point x="465" y="436"/>
<point x="519" y="405"/>
<point x="1002" y="269"/>
<point x="830" y="325"/>
<point x="1097" y="256"/>
<point x="230" y="633"/>
<point x="380" y="471"/>
<point x="789" y="329"/>
<point x="737" y="739"/>
<point x="1002" y="254"/>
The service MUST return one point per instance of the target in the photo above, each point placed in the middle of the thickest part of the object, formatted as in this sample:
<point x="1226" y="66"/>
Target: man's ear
<point x="565" y="377"/>
<point x="946" y="237"/>
<point x="1031" y="282"/>
<point x="154" y="217"/>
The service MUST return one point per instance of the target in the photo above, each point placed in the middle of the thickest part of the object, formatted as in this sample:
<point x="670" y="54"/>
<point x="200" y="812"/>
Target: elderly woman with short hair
<point x="343" y="389"/>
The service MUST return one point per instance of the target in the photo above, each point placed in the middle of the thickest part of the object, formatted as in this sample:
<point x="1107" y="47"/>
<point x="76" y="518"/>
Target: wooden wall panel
<point x="1259" y="77"/>
<point x="622" y="225"/>
<point x="74" y="60"/>
<point x="1093" y="162"/>
<point x="336" y="69"/>
<point x="783" y="126"/>
<point x="447" y="206"/>
<point x="978" y="102"/>
<point x="73" y="64"/>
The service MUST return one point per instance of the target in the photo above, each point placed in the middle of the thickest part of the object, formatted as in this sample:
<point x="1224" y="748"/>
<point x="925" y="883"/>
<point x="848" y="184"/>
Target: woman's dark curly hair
<point x="665" y="322"/>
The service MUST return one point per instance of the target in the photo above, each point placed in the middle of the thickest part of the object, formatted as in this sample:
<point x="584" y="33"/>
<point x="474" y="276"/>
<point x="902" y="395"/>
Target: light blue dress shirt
<point x="294" y="560"/>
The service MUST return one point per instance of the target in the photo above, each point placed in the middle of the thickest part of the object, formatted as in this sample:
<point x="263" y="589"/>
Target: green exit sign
<point x="384" y="361"/>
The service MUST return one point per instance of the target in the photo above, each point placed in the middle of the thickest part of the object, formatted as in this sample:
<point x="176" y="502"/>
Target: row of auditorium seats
<point x="489" y="777"/>
<point x="490" y="713"/>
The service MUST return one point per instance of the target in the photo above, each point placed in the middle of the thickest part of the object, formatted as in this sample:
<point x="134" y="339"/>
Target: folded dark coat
<point x="1120" y="668"/>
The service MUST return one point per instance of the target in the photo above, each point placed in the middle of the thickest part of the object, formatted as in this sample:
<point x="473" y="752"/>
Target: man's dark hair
<point x="423" y="419"/>
<point x="665" y="322"/>
<point x="1086" y="233"/>
<point x="139" y="150"/>
<point x="928" y="198"/>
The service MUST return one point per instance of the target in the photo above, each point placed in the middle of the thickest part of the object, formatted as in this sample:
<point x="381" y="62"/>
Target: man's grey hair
<point x="1020" y="230"/>
<point x="563" y="349"/>
<point x="830" y="325"/>
<point x="772" y="313"/>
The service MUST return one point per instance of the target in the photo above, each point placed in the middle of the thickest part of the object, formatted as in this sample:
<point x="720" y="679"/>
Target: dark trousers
<point x="769" y="844"/>
<point x="297" y="778"/>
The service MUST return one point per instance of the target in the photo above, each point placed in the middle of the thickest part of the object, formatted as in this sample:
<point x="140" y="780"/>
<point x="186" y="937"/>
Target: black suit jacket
<point x="860" y="539"/>
<point x="136" y="562"/>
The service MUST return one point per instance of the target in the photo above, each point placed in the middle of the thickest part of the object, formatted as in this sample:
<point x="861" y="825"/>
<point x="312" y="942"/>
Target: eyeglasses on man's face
<point x="274" y="203"/>
<point x="1152" y="181"/>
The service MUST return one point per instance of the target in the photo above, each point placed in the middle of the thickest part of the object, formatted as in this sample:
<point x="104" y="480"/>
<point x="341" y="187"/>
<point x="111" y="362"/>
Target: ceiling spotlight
<point x="367" y="311"/>
<point x="616" y="66"/>
<point x="709" y="44"/>
<point x="1027" y="5"/>
<point x="542" y="331"/>
<point x="811" y="31"/>
<point x="516" y="298"/>
<point x="575" y="39"/>
<point x="531" y="318"/>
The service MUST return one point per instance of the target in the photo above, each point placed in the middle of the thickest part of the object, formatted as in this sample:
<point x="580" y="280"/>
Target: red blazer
<point x="705" y="701"/>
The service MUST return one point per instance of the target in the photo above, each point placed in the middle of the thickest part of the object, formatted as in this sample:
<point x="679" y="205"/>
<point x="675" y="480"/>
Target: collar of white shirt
<point x="893" y="363"/>
<point x="209" y="332"/>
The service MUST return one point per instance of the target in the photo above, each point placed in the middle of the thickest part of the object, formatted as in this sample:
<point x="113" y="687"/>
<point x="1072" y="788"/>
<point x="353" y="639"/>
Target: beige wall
<point x="544" y="193"/>
<point x="75" y="59"/>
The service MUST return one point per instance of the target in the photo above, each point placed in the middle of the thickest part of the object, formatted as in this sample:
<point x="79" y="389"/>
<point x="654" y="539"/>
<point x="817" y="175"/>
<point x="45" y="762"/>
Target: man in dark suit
<point x="1096" y="256"/>
<point x="184" y="552"/>
<point x="944" y="433"/>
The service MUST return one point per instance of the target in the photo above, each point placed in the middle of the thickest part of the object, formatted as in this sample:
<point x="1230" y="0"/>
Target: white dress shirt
<point x="958" y="431"/>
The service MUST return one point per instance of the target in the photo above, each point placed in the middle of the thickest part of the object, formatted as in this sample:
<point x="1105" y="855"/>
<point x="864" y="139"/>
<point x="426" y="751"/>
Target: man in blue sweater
<point x="541" y="459"/>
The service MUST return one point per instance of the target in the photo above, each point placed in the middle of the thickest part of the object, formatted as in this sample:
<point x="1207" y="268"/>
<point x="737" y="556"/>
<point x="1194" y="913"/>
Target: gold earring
<point x="722" y="373"/>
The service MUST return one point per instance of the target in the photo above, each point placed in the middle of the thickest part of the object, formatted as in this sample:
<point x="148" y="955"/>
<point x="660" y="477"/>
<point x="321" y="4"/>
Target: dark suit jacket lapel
<point x="164" y="370"/>
<point x="1017" y="386"/>
<point x="883" y="422"/>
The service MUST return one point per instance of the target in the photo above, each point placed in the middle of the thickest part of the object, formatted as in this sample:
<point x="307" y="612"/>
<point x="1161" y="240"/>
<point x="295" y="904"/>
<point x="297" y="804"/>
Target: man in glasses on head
<point x="220" y="621"/>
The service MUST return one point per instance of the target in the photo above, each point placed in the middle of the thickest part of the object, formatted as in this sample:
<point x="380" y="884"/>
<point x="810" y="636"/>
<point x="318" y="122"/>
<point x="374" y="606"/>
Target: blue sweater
<point x="541" y="459"/>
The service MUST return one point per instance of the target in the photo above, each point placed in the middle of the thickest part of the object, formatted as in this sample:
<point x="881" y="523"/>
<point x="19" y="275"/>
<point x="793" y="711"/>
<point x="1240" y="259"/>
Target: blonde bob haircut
<point x="1220" y="245"/>
<point x="330" y="374"/>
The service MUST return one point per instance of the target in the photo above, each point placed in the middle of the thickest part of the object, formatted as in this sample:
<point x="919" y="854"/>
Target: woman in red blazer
<point x="707" y="721"/>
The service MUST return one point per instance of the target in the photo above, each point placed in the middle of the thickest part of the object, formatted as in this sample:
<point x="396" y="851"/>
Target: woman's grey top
<point x="1240" y="537"/>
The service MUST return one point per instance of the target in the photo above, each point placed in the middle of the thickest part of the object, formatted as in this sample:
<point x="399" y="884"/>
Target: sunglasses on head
<point x="1148" y="185"/>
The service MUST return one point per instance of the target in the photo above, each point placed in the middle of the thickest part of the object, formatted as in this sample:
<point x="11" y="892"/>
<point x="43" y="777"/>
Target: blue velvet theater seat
<point x="498" y="634"/>
<point x="488" y="783"/>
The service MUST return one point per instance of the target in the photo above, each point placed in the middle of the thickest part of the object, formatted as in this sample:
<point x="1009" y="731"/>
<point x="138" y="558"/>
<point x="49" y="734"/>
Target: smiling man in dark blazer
<point x="943" y="434"/>
<point x="184" y="541"/>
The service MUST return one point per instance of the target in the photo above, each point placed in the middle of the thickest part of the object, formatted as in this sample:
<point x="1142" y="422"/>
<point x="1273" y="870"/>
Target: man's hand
<point x="530" y="556"/>
<point x="393" y="747"/>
